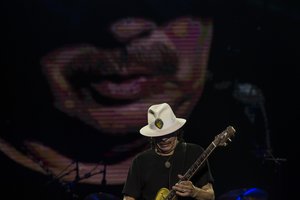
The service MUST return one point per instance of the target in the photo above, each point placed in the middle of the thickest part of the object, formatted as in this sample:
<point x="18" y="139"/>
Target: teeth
<point x="124" y="88"/>
<point x="132" y="87"/>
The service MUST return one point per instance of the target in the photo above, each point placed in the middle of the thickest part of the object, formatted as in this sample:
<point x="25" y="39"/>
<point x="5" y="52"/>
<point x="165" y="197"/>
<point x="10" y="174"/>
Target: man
<point x="158" y="171"/>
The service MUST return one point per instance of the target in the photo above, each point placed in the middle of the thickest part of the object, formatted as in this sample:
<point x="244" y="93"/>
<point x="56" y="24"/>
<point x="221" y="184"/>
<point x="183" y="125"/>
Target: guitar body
<point x="162" y="194"/>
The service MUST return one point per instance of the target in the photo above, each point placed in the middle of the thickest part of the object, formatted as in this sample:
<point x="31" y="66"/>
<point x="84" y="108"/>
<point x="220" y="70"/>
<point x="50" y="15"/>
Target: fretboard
<point x="193" y="169"/>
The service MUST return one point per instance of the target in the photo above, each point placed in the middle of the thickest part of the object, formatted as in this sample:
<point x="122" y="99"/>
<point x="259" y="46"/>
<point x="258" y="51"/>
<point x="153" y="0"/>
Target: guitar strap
<point x="178" y="164"/>
<point x="184" y="156"/>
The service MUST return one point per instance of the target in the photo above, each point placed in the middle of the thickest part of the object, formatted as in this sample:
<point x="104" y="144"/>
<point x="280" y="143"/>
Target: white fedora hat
<point x="161" y="121"/>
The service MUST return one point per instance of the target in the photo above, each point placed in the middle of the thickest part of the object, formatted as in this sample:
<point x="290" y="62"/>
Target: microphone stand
<point x="88" y="175"/>
<point x="64" y="184"/>
<point x="77" y="171"/>
<point x="251" y="95"/>
<point x="104" y="175"/>
<point x="59" y="176"/>
<point x="268" y="155"/>
<point x="69" y="186"/>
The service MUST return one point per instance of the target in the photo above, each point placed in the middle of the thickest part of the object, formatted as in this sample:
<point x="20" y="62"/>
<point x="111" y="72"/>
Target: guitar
<point x="220" y="140"/>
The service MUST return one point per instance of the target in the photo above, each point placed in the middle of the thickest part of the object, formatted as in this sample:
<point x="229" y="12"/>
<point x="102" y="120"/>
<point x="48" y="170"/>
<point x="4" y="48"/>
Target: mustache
<point x="157" y="58"/>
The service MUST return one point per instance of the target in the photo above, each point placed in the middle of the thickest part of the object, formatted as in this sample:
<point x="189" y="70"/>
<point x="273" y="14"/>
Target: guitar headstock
<point x="224" y="137"/>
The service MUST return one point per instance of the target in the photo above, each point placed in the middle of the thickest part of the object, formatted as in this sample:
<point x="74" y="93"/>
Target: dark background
<point x="255" y="43"/>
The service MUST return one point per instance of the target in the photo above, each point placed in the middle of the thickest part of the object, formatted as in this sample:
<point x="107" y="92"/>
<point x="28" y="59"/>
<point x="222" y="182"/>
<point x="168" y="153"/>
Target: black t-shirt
<point x="148" y="173"/>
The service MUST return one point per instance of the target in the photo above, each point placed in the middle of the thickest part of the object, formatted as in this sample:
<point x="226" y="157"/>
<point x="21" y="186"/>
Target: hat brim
<point x="148" y="132"/>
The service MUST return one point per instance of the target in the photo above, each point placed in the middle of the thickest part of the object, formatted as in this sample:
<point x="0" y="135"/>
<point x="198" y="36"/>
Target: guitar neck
<point x="193" y="169"/>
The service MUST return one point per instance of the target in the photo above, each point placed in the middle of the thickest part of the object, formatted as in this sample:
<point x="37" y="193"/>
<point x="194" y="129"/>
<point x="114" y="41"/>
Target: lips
<point x="165" y="144"/>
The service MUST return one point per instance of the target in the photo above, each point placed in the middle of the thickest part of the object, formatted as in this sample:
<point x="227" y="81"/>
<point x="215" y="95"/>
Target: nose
<point x="127" y="29"/>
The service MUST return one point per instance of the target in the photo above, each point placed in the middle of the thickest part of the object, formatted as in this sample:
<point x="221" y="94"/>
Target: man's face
<point x="166" y="144"/>
<point x="111" y="88"/>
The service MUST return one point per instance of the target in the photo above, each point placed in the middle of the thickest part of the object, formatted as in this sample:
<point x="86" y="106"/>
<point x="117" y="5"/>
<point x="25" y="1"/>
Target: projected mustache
<point x="133" y="61"/>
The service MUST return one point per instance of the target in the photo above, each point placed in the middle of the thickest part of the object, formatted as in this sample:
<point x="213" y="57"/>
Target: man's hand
<point x="187" y="189"/>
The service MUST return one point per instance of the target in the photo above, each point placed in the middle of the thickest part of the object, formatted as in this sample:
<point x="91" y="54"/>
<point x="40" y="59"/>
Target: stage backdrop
<point x="80" y="76"/>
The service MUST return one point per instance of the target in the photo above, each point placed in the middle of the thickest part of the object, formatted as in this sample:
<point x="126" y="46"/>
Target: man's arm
<point x="204" y="193"/>
<point x="128" y="198"/>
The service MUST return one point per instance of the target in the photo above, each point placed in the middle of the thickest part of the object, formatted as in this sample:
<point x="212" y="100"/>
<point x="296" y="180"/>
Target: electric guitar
<point x="220" y="140"/>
